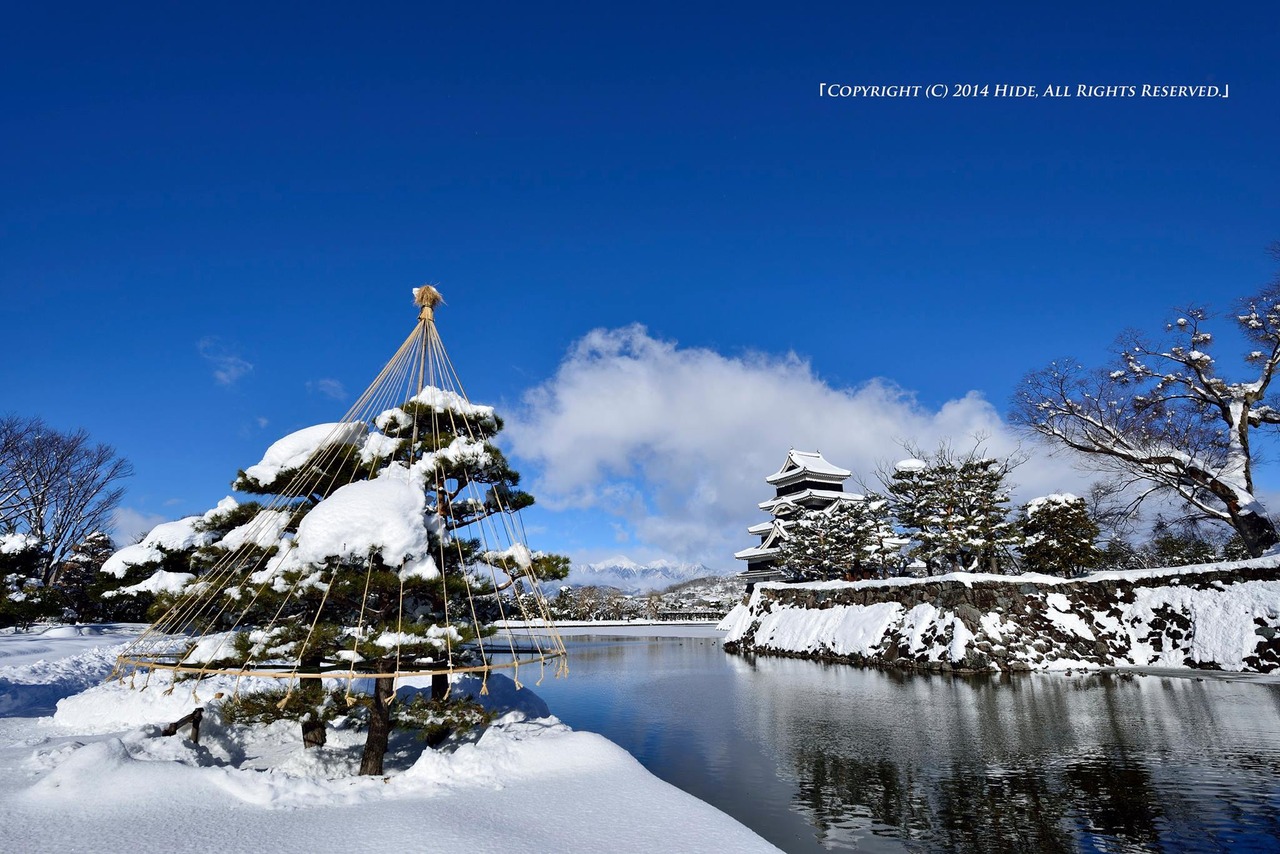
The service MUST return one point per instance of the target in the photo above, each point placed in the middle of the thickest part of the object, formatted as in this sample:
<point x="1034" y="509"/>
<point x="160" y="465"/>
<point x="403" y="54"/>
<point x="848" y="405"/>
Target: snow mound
<point x="295" y="449"/>
<point x="160" y="581"/>
<point x="263" y="531"/>
<point x="15" y="543"/>
<point x="172" y="536"/>
<point x="73" y="632"/>
<point x="135" y="702"/>
<point x="386" y="515"/>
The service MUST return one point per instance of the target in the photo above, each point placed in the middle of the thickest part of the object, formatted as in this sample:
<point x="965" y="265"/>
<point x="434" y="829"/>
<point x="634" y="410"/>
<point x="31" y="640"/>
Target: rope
<point x="148" y="664"/>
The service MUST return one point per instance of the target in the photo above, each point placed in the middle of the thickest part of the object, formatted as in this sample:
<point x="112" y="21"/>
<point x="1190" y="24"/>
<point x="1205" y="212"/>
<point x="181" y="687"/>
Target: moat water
<point x="818" y="757"/>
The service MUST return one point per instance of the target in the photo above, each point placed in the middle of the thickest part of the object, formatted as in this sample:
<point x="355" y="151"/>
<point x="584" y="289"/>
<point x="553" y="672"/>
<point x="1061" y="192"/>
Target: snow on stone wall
<point x="1221" y="617"/>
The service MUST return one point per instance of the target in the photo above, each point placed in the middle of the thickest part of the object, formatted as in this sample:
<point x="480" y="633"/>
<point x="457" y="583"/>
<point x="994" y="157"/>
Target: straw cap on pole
<point x="428" y="298"/>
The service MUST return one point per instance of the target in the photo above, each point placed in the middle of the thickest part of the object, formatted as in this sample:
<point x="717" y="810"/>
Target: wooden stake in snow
<point x="194" y="719"/>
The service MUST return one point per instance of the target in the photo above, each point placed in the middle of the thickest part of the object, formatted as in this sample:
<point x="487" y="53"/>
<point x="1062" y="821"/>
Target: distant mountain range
<point x="632" y="577"/>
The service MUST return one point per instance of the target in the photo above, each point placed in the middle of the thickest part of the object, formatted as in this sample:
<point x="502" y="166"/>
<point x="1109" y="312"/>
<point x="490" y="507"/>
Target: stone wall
<point x="1216" y="617"/>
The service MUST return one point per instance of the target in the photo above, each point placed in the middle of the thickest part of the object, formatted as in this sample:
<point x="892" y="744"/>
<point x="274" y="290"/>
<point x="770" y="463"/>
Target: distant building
<point x="807" y="480"/>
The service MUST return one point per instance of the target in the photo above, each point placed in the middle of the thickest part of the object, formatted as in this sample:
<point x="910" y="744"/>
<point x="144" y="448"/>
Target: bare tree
<point x="60" y="487"/>
<point x="1111" y="505"/>
<point x="1162" y="416"/>
<point x="13" y="438"/>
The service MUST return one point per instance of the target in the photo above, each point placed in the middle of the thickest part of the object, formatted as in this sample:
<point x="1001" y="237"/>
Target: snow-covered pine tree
<point x="879" y="545"/>
<point x="955" y="508"/>
<point x="79" y="578"/>
<point x="1059" y="535"/>
<point x="373" y="565"/>
<point x="808" y="550"/>
<point x="138" y="582"/>
<point x="847" y="539"/>
<point x="1176" y="544"/>
<point x="23" y="596"/>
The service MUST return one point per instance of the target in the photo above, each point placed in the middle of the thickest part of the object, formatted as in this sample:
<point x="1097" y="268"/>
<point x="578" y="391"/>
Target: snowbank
<point x="1217" y="616"/>
<point x="735" y="619"/>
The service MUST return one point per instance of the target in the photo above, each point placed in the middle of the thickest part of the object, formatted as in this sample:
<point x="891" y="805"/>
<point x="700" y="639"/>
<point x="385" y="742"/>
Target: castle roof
<point x="769" y="548"/>
<point x="810" y="465"/>
<point x="828" y="495"/>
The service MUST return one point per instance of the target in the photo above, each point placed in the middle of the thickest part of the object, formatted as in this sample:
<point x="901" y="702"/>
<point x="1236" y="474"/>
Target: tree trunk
<point x="439" y="685"/>
<point x="375" y="746"/>
<point x="312" y="693"/>
<point x="1257" y="531"/>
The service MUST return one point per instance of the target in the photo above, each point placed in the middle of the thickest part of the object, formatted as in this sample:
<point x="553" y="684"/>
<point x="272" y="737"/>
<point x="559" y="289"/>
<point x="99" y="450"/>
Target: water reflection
<point x="818" y="757"/>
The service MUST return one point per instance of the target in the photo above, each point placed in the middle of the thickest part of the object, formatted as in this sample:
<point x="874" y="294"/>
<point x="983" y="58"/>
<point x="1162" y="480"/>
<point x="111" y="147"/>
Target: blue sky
<point x="212" y="216"/>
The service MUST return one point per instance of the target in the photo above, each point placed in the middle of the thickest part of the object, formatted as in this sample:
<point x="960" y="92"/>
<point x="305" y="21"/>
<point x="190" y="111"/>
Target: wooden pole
<point x="194" y="719"/>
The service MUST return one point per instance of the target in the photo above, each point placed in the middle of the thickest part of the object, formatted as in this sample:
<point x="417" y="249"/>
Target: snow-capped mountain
<point x="632" y="577"/>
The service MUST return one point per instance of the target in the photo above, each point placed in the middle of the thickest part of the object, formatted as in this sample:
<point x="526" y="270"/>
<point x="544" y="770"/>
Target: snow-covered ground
<point x="83" y="768"/>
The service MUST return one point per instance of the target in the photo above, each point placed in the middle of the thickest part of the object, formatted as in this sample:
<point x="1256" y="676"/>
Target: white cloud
<point x="227" y="365"/>
<point x="328" y="387"/>
<point x="128" y="525"/>
<point x="677" y="441"/>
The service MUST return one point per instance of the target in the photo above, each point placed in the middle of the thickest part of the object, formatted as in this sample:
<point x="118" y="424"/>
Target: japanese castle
<point x="807" y="480"/>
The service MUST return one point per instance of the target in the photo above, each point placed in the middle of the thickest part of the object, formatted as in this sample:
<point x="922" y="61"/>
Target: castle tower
<point x="806" y="479"/>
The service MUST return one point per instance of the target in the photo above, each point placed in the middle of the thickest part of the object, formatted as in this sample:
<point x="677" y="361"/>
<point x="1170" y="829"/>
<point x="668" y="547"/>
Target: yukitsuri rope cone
<point x="390" y="541"/>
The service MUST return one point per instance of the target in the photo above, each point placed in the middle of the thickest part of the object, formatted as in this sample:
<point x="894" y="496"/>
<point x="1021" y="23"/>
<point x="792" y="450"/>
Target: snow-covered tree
<point x="80" y="578"/>
<point x="954" y="507"/>
<point x="132" y="580"/>
<point x="1059" y="535"/>
<point x="1177" y="543"/>
<point x="1233" y="548"/>
<point x="1119" y="553"/>
<point x="375" y="565"/>
<point x="24" y="598"/>
<point x="843" y="540"/>
<point x="591" y="602"/>
<point x="809" y="550"/>
<point x="1162" y="414"/>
